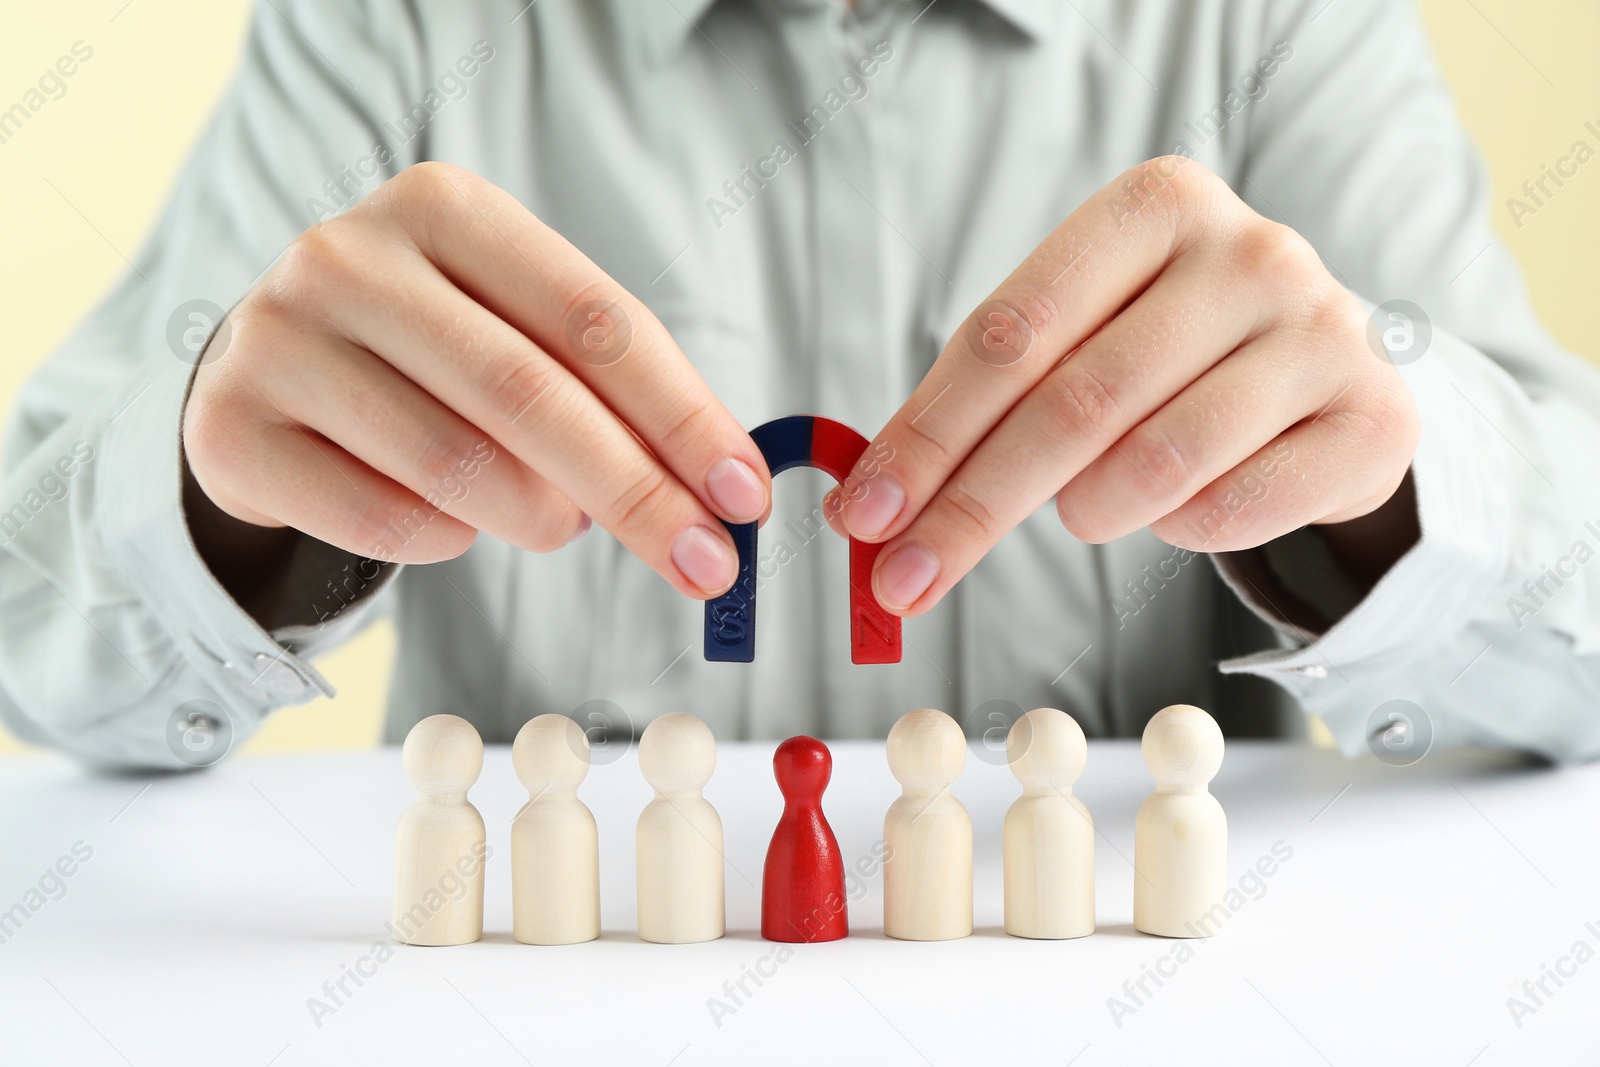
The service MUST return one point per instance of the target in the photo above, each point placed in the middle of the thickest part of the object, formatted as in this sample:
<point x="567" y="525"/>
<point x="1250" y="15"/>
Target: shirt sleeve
<point x="1490" y="625"/>
<point x="115" y="634"/>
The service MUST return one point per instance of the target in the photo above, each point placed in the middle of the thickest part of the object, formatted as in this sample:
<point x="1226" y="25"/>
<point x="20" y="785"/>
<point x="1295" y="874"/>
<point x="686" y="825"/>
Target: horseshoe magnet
<point x="833" y="448"/>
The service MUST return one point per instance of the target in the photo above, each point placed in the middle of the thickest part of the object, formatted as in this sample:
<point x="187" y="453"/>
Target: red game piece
<point x="802" y="892"/>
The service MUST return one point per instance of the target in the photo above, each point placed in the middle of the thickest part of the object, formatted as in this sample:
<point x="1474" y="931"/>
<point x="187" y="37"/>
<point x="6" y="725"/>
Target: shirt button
<point x="1310" y="670"/>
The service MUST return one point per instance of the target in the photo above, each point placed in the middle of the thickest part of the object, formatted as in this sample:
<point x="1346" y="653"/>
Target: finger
<point x="1093" y="264"/>
<point x="1215" y="423"/>
<point x="1176" y="331"/>
<point x="497" y="379"/>
<point x="293" y="477"/>
<point x="1357" y="466"/>
<point x="510" y="262"/>
<point x="833" y="511"/>
<point x="401" y="431"/>
<point x="1123" y="374"/>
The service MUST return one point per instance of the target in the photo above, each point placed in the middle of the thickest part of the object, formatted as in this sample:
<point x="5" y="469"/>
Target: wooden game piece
<point x="927" y="835"/>
<point x="802" y="888"/>
<point x="679" y="839"/>
<point x="730" y="619"/>
<point x="1049" y="836"/>
<point x="555" y="846"/>
<point x="440" y="846"/>
<point x="1180" y="842"/>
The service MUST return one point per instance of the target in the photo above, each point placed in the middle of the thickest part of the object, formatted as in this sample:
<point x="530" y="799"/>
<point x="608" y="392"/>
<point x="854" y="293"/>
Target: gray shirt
<point x="811" y="198"/>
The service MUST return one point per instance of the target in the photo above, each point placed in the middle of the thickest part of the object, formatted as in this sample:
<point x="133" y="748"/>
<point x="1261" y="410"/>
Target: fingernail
<point x="584" y="524"/>
<point x="709" y="564"/>
<point x="734" y="488"/>
<point x="874" y="505"/>
<point x="905" y="576"/>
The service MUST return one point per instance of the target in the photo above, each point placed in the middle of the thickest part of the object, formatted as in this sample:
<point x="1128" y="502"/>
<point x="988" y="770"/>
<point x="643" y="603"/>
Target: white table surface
<point x="1416" y="901"/>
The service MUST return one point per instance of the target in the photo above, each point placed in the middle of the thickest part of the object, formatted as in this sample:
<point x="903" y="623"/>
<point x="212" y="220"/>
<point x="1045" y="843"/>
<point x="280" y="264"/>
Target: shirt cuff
<point x="139" y="512"/>
<point x="1460" y="473"/>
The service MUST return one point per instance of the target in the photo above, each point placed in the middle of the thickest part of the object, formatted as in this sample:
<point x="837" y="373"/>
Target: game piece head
<point x="677" y="753"/>
<point x="1046" y="749"/>
<point x="550" y="753"/>
<point x="443" y="754"/>
<point x="802" y="766"/>
<point x="1182" y="746"/>
<point x="926" y="750"/>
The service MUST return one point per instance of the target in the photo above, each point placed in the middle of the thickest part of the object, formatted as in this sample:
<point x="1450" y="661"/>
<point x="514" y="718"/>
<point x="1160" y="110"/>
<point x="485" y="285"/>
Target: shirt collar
<point x="663" y="25"/>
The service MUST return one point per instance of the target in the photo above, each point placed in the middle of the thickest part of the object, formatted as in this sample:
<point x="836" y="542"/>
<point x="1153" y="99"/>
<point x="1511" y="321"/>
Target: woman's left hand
<point x="1165" y="358"/>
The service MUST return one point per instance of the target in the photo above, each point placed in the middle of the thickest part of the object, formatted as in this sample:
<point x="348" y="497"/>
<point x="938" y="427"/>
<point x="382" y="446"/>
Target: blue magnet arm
<point x="731" y="617"/>
<point x="785" y="443"/>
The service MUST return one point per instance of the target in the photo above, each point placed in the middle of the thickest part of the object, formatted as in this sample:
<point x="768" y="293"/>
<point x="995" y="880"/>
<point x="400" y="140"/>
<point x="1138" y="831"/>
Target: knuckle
<point x="593" y="292"/>
<point x="1080" y="400"/>
<point x="421" y="184"/>
<point x="520" y="386"/>
<point x="1194" y="185"/>
<point x="1146" y="183"/>
<point x="597" y="323"/>
<point x="1358" y="424"/>
<point x="1386" y="418"/>
<point x="215" y="424"/>
<point x="1212" y="522"/>
<point x="1175" y="189"/>
<point x="425" y="197"/>
<point x="1276" y="254"/>
<point x="379" y="524"/>
<point x="683" y="427"/>
<point x="1159" y="459"/>
<point x="275" y="301"/>
<point x="446" y="454"/>
<point x="922" y="439"/>
<point x="264" y="323"/>
<point x="646" y="498"/>
<point x="971" y="515"/>
<point x="1001" y="331"/>
<point x="1332" y="312"/>
<point x="1177" y="183"/>
<point x="317" y="262"/>
<point x="1037" y="308"/>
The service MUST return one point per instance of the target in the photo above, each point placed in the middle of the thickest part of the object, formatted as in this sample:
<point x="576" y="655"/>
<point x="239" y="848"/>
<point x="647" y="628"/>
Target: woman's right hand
<point x="439" y="336"/>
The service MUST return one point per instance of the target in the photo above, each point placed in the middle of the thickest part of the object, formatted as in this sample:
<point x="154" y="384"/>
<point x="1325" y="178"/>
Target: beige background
<point x="1524" y="75"/>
